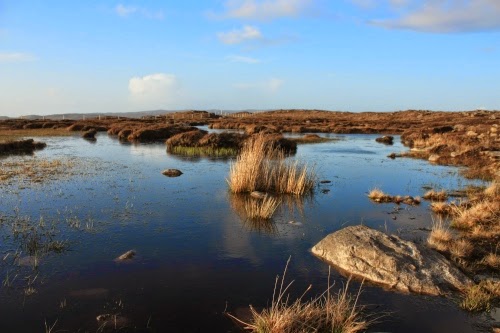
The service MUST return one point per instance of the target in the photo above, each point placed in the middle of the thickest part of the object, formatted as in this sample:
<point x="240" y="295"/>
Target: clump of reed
<point x="480" y="297"/>
<point x="261" y="166"/>
<point x="261" y="209"/>
<point x="435" y="195"/>
<point x="324" y="313"/>
<point x="440" y="237"/>
<point x="379" y="196"/>
<point x="492" y="260"/>
<point x="256" y="214"/>
<point x="483" y="212"/>
<point x="441" y="208"/>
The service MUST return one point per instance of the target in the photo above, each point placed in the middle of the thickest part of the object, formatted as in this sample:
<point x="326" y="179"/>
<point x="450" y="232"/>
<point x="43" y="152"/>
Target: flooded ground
<point x="196" y="255"/>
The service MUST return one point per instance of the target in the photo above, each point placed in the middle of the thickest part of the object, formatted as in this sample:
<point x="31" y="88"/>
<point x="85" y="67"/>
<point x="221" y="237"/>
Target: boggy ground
<point x="469" y="139"/>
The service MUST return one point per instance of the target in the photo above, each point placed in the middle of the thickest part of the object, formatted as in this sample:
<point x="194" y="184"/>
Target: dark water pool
<point x="196" y="256"/>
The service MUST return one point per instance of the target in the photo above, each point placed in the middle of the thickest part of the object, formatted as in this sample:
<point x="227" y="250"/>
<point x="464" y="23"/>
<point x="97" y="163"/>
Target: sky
<point x="348" y="55"/>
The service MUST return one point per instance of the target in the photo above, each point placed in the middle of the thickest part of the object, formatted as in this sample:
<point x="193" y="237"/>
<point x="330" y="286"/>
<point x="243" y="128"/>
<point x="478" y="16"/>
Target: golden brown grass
<point x="324" y="313"/>
<point x="461" y="248"/>
<point x="481" y="213"/>
<point x="440" y="236"/>
<point x="33" y="169"/>
<point x="16" y="134"/>
<point x="480" y="297"/>
<point x="262" y="167"/>
<point x="441" y="208"/>
<point x="492" y="260"/>
<point x="493" y="190"/>
<point x="261" y="209"/>
<point x="435" y="195"/>
<point x="378" y="196"/>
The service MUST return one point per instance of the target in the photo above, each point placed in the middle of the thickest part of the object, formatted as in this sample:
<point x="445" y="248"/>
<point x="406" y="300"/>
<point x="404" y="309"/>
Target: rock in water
<point x="172" y="172"/>
<point x="126" y="256"/>
<point x="258" y="195"/>
<point x="390" y="261"/>
<point x="387" y="139"/>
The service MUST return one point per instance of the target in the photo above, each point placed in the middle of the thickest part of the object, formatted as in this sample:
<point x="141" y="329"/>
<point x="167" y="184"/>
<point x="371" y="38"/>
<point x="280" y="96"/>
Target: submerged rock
<point x="172" y="172"/>
<point x="258" y="195"/>
<point x="387" y="139"/>
<point x="390" y="261"/>
<point x="126" y="256"/>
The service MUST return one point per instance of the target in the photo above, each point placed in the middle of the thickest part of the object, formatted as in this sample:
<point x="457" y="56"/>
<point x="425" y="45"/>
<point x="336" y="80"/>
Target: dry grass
<point x="492" y="260"/>
<point x="493" y="190"/>
<point x="262" y="167"/>
<point x="34" y="169"/>
<point x="16" y="134"/>
<point x="440" y="236"/>
<point x="261" y="209"/>
<point x="461" y="248"/>
<point x="378" y="196"/>
<point x="441" y="208"/>
<point x="480" y="297"/>
<point x="435" y="195"/>
<point x="325" y="313"/>
<point x="481" y="213"/>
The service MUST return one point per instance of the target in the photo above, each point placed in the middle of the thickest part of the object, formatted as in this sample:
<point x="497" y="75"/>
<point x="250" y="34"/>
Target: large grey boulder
<point x="390" y="261"/>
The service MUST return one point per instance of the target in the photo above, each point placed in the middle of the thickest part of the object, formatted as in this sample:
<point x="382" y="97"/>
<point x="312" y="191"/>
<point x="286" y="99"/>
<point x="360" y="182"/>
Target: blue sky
<point x="350" y="55"/>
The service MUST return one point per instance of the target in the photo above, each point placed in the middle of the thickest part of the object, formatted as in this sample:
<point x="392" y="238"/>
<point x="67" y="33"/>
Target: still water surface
<point x="196" y="254"/>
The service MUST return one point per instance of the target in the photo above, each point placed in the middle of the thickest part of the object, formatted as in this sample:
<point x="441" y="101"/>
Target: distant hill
<point x="137" y="114"/>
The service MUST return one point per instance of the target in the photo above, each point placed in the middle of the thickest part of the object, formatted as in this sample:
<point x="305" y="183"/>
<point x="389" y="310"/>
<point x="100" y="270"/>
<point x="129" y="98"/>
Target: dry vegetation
<point x="261" y="166"/>
<point x="34" y="170"/>
<point x="436" y="195"/>
<point x="327" y="312"/>
<point x="379" y="196"/>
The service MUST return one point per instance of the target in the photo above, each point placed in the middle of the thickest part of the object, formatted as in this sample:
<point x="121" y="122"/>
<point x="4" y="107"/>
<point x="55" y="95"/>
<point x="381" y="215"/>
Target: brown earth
<point x="20" y="147"/>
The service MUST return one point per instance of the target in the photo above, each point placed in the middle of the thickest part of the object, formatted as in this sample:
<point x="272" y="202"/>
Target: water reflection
<point x="242" y="206"/>
<point x="291" y="211"/>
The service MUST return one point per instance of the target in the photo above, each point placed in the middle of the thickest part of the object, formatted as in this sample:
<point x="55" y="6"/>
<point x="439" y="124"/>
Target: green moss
<point x="203" y="151"/>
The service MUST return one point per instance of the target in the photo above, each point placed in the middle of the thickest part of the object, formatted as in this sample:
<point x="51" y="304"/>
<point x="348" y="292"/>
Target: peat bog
<point x="68" y="212"/>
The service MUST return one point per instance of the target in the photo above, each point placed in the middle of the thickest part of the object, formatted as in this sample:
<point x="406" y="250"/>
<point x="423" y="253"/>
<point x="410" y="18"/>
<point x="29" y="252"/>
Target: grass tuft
<point x="263" y="167"/>
<point x="435" y="195"/>
<point x="378" y="196"/>
<point x="479" y="297"/>
<point x="327" y="312"/>
<point x="440" y="236"/>
<point x="261" y="209"/>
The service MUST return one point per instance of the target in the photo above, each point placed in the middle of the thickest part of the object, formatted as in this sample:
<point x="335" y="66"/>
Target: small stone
<point x="387" y="139"/>
<point x="172" y="172"/>
<point x="434" y="158"/>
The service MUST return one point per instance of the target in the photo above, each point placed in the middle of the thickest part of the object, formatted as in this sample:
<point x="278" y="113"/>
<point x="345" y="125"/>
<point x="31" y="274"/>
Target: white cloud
<point x="247" y="33"/>
<point x="126" y="11"/>
<point x="154" y="90"/>
<point x="446" y="16"/>
<point x="243" y="59"/>
<point x="265" y="9"/>
<point x="9" y="57"/>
